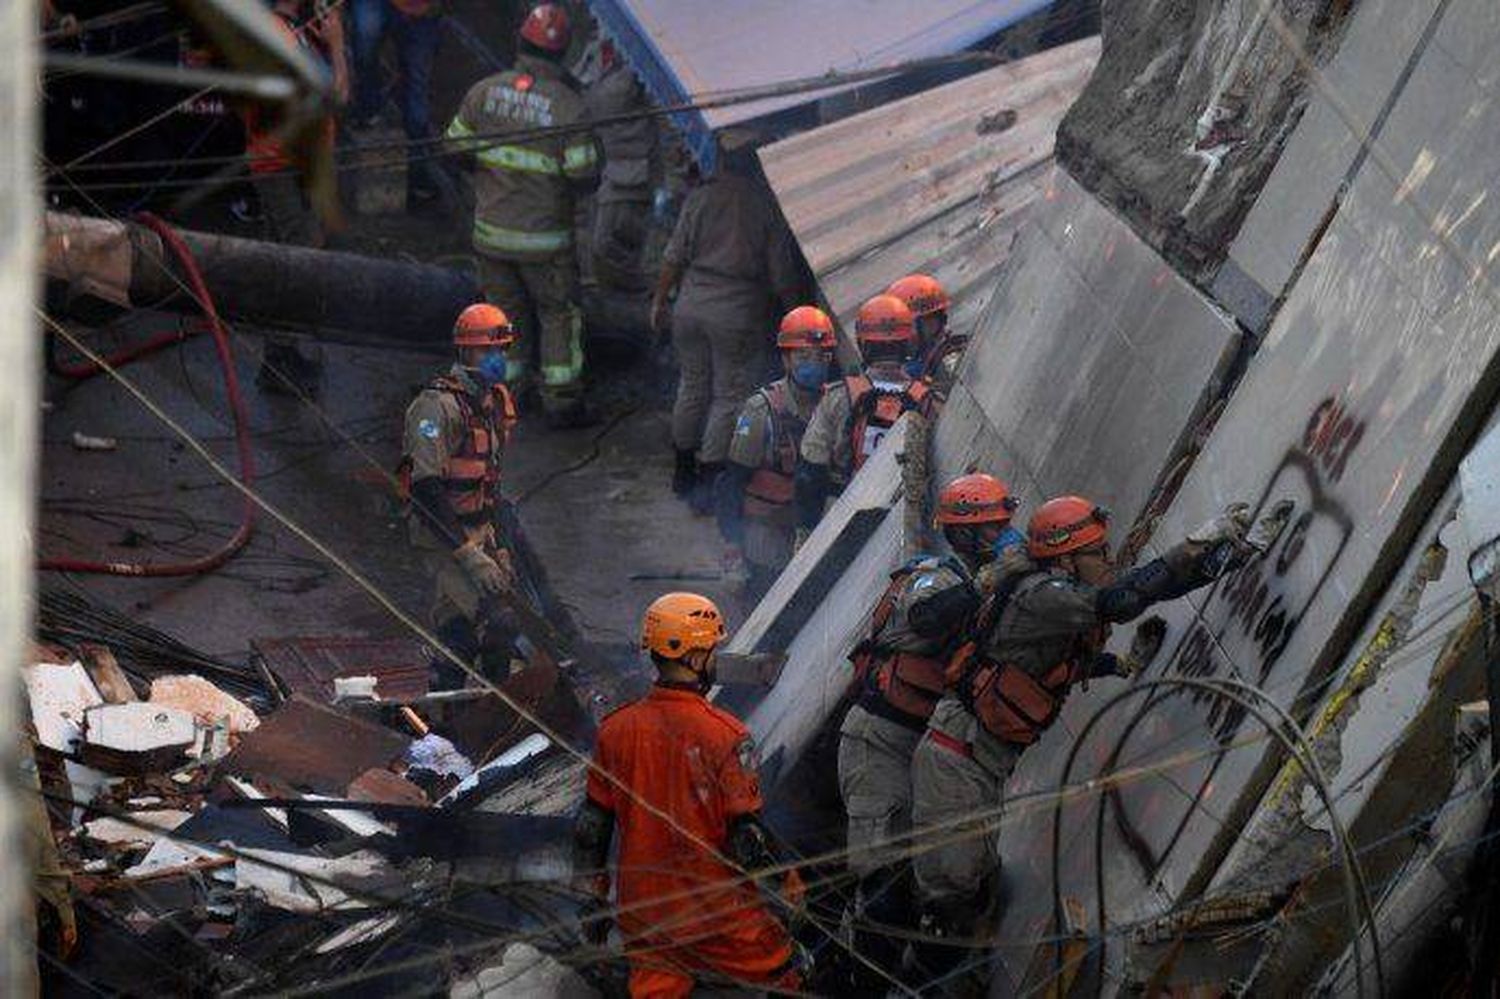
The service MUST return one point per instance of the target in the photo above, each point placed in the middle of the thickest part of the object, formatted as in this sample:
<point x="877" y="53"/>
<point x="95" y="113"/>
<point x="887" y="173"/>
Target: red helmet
<point x="483" y="325"/>
<point x="975" y="498"/>
<point x="1066" y="524"/>
<point x="806" y="326"/>
<point x="885" y="319"/>
<point x="547" y="28"/>
<point x="921" y="293"/>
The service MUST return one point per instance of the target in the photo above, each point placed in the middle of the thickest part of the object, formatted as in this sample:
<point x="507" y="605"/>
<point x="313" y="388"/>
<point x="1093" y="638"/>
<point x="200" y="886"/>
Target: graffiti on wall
<point x="1247" y="622"/>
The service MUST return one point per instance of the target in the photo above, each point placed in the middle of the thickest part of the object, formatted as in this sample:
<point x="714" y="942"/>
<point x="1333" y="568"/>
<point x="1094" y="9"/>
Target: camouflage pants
<point x="541" y="299"/>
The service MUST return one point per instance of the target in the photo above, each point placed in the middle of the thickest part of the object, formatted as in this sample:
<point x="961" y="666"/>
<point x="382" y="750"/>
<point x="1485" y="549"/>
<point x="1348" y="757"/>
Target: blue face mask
<point x="1009" y="537"/>
<point x="491" y="368"/>
<point x="810" y="374"/>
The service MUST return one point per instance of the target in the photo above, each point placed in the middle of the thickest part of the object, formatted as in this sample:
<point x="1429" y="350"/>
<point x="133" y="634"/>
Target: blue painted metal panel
<point x="686" y="49"/>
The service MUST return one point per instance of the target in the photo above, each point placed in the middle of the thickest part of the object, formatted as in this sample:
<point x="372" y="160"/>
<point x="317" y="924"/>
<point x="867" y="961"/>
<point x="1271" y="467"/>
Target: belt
<point x="956" y="746"/>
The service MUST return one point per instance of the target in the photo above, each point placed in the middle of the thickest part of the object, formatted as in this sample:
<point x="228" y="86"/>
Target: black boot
<point x="685" y="474"/>
<point x="702" y="499"/>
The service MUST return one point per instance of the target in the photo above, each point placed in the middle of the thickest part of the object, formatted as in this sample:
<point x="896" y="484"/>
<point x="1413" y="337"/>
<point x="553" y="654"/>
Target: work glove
<point x="799" y="538"/>
<point x="1213" y="547"/>
<point x="1144" y="646"/>
<point x="1231" y="526"/>
<point x="490" y="574"/>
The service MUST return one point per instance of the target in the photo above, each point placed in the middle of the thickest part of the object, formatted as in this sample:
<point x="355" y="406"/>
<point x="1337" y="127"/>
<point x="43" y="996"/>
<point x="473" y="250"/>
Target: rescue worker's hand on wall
<point x="490" y="575"/>
<point x="1213" y="547"/>
<point x="1230" y="525"/>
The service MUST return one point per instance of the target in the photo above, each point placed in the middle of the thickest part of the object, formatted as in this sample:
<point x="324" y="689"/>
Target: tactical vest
<point x="873" y="411"/>
<point x="908" y="683"/>
<point x="770" y="489"/>
<point x="1010" y="703"/>
<point x="472" y="473"/>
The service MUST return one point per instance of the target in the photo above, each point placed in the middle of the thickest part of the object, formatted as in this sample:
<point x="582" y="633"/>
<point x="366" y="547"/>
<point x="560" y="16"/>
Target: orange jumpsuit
<point x="684" y="910"/>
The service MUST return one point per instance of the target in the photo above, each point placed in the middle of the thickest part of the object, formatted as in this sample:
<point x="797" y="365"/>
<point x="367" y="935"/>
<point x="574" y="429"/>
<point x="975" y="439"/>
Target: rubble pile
<point x="218" y="841"/>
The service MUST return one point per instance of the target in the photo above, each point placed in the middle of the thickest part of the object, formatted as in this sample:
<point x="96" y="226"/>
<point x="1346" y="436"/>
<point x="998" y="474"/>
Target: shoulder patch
<point x="429" y="429"/>
<point x="742" y="425"/>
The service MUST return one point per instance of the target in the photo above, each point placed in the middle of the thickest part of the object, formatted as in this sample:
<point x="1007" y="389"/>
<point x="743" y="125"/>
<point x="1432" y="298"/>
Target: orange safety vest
<point x="1010" y="703"/>
<point x="909" y="682"/>
<point x="472" y="472"/>
<point x="770" y="488"/>
<point x="873" y="411"/>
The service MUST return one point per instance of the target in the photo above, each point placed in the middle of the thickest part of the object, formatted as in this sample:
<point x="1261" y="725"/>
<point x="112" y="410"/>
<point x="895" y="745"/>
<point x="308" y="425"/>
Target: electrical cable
<point x="242" y="535"/>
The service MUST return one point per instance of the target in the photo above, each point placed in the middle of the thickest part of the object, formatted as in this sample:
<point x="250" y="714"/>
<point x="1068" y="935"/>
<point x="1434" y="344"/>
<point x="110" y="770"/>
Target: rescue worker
<point x="939" y="348"/>
<point x="899" y="672"/>
<point x="730" y="261"/>
<point x="755" y="511"/>
<point x="524" y="191"/>
<point x="456" y="430"/>
<point x="676" y="777"/>
<point x="1040" y="633"/>
<point x="622" y="205"/>
<point x="855" y="415"/>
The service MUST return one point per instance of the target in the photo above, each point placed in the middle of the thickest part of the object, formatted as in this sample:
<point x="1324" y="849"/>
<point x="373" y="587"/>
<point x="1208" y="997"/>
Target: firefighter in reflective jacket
<point x="899" y="672"/>
<point x="940" y="348"/>
<point x="1040" y="632"/>
<point x="854" y="415"/>
<point x="456" y="430"/>
<point x="754" y="492"/>
<point x="676" y="777"/>
<point x="524" y="190"/>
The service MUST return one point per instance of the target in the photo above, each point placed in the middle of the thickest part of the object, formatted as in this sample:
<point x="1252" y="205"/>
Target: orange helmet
<point x="921" y="293"/>
<point x="885" y="319"/>
<point x="806" y="326"/>
<point x="1066" y="524"/>
<point x="975" y="498"/>
<point x="678" y="623"/>
<point x="483" y="325"/>
<point x="546" y="27"/>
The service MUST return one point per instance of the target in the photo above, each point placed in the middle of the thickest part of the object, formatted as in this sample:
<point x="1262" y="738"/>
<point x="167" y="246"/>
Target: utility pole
<point x="20" y="368"/>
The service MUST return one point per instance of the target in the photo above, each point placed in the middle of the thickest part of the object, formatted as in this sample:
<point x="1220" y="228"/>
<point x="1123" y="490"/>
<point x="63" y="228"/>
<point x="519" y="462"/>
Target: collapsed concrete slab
<point x="1374" y="376"/>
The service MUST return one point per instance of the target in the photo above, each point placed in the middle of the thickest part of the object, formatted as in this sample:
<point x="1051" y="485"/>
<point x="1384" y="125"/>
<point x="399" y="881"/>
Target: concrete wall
<point x="1370" y="383"/>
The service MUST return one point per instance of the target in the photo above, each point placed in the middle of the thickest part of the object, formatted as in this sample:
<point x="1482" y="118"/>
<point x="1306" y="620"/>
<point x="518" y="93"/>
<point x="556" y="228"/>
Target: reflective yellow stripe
<point x="580" y="158"/>
<point x="554" y="375"/>
<point x="518" y="158"/>
<point x="494" y="237"/>
<point x="457" y="129"/>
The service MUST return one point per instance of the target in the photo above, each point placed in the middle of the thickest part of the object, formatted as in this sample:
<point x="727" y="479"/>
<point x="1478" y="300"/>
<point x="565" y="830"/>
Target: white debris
<point x="137" y="734"/>
<point x="142" y="830"/>
<point x="359" y="823"/>
<point x="346" y="688"/>
<point x="85" y="783"/>
<point x="87" y="442"/>
<point x="523" y="971"/>
<point x="433" y="752"/>
<point x="285" y="889"/>
<point x="249" y="790"/>
<point x="170" y="855"/>
<point x="360" y="932"/>
<point x="532" y="745"/>
<point x="204" y="701"/>
<point x="60" y="694"/>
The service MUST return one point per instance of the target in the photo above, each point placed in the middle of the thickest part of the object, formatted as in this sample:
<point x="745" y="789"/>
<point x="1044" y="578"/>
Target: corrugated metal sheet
<point x="689" y="49"/>
<point x="936" y="183"/>
<point x="309" y="664"/>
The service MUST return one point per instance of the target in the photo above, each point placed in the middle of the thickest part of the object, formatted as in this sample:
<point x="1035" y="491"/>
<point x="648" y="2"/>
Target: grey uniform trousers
<point x="718" y="367"/>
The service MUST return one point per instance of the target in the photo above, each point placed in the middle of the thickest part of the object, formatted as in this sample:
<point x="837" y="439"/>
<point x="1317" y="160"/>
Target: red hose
<point x="246" y="528"/>
<point x="81" y="370"/>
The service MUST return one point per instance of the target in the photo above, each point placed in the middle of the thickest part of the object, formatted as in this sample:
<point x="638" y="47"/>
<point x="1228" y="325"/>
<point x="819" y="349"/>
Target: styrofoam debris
<point x="204" y="701"/>
<point x="60" y="693"/>
<point x="88" y="442"/>
<point x="359" y="823"/>
<point x="354" y="688"/>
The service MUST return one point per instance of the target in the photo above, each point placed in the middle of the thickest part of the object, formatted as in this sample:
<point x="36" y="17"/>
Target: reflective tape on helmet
<point x="500" y="239"/>
<point x="518" y="158"/>
<point x="580" y="158"/>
